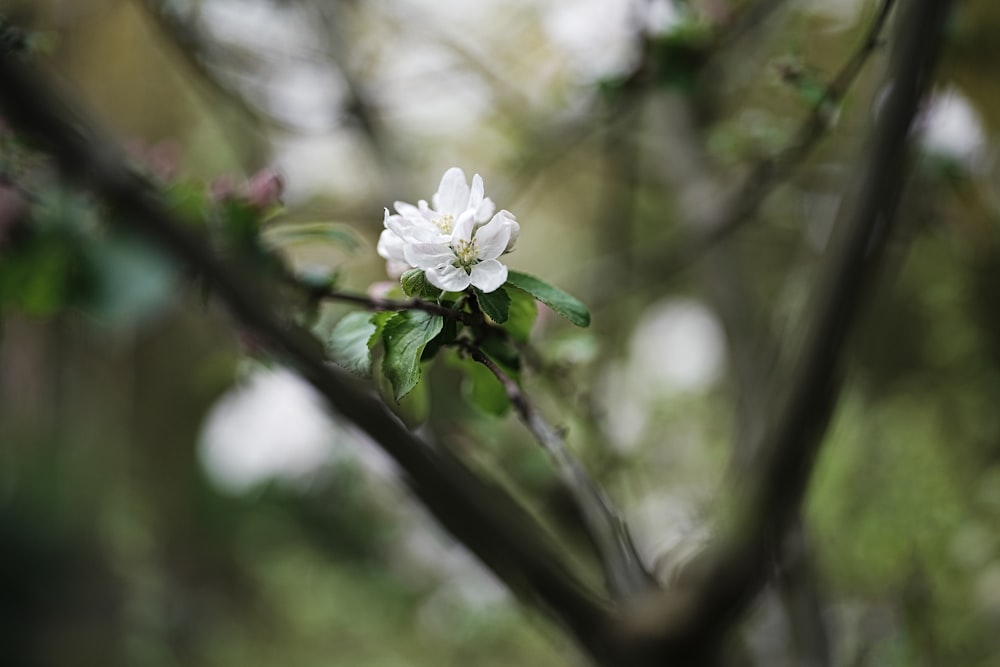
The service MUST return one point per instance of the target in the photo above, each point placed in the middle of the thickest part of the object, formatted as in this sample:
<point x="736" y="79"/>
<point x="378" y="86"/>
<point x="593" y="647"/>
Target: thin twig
<point x="626" y="575"/>
<point x="380" y="304"/>
<point x="774" y="170"/>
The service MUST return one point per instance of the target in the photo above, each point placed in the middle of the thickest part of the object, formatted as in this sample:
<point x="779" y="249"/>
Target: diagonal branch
<point x="721" y="584"/>
<point x="624" y="571"/>
<point x="768" y="173"/>
<point x="486" y="519"/>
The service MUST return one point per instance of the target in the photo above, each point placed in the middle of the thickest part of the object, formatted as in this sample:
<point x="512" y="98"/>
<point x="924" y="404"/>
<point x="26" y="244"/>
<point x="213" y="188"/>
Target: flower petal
<point x="415" y="231"/>
<point x="452" y="196"/>
<point x="489" y="275"/>
<point x="390" y="246"/>
<point x="411" y="211"/>
<point x="428" y="255"/>
<point x="492" y="238"/>
<point x="485" y="210"/>
<point x="464" y="227"/>
<point x="515" y="231"/>
<point x="476" y="194"/>
<point x="449" y="278"/>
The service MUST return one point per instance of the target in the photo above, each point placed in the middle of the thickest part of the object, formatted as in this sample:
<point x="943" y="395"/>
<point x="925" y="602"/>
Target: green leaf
<point x="301" y="233"/>
<point x="318" y="278"/>
<point x="414" y="283"/>
<point x="681" y="56"/>
<point x="38" y="275"/>
<point x="188" y="200"/>
<point x="240" y="223"/>
<point x="504" y="353"/>
<point x="523" y="312"/>
<point x="483" y="390"/>
<point x="405" y="335"/>
<point x="348" y="343"/>
<point x="129" y="282"/>
<point x="379" y="320"/>
<point x="496" y="304"/>
<point x="568" y="306"/>
<point x="449" y="332"/>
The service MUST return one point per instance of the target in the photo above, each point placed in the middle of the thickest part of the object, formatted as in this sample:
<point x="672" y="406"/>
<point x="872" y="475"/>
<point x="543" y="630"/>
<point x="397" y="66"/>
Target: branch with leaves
<point x="484" y="517"/>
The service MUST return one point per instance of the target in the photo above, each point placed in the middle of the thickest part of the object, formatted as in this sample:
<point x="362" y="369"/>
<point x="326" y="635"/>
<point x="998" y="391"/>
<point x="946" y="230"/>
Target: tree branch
<point x="482" y="516"/>
<point x="380" y="304"/>
<point x="624" y="571"/>
<point x="720" y="585"/>
<point x="768" y="173"/>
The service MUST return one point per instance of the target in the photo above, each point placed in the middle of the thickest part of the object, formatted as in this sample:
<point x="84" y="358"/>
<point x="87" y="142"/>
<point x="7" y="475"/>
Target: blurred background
<point x="167" y="498"/>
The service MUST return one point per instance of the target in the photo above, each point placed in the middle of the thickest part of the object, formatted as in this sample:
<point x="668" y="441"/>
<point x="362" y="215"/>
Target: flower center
<point x="467" y="253"/>
<point x="445" y="223"/>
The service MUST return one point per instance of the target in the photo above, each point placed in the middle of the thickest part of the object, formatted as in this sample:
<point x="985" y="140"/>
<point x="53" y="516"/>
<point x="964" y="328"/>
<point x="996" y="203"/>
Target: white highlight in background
<point x="271" y="427"/>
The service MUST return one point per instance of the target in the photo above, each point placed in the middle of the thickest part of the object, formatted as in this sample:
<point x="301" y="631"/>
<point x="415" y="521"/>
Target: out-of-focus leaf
<point x="241" y="223"/>
<point x="483" y="390"/>
<point x="522" y="314"/>
<point x="36" y="275"/>
<point x="502" y="352"/>
<point x="347" y="344"/>
<point x="681" y="55"/>
<point x="129" y="280"/>
<point x="300" y="233"/>
<point x="495" y="304"/>
<point x="566" y="305"/>
<point x="188" y="200"/>
<point x="317" y="278"/>
<point x="405" y="335"/>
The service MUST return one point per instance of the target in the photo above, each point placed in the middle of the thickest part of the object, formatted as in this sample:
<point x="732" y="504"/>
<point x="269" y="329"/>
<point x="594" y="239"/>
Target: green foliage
<point x="522" y="313"/>
<point x="190" y="201"/>
<point x="378" y="319"/>
<point x="681" y="55"/>
<point x="483" y="390"/>
<point x="305" y="233"/>
<point x="559" y="301"/>
<point x="410" y="337"/>
<point x="37" y="272"/>
<point x="414" y="283"/>
<point x="348" y="343"/>
<point x="495" y="304"/>
<point x="129" y="280"/>
<point x="502" y="352"/>
<point x="62" y="257"/>
<point x="405" y="335"/>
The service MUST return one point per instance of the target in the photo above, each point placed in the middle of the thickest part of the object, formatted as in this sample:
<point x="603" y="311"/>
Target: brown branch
<point x="626" y="575"/>
<point x="721" y="584"/>
<point x="485" y="518"/>
<point x="380" y="304"/>
<point x="768" y="173"/>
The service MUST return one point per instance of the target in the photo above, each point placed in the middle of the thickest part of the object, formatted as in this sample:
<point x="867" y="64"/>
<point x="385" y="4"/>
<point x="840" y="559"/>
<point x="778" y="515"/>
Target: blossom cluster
<point x="456" y="240"/>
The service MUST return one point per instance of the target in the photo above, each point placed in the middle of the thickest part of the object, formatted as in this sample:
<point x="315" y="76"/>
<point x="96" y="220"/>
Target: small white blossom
<point x="457" y="242"/>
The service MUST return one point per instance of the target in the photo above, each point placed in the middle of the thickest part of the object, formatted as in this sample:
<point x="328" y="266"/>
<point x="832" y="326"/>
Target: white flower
<point x="390" y="246"/>
<point x="452" y="241"/>
<point x="470" y="256"/>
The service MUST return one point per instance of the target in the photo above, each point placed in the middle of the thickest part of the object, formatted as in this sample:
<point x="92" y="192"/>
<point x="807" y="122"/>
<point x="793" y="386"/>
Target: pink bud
<point x="264" y="188"/>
